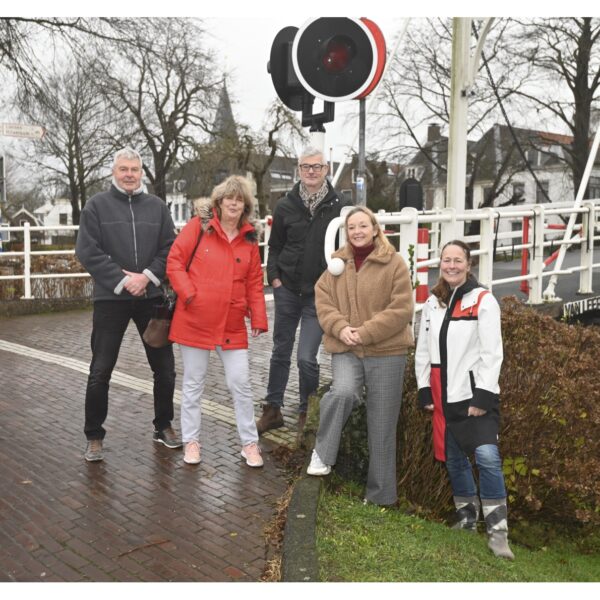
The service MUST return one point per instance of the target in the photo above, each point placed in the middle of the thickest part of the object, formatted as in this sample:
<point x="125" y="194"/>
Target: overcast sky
<point x="242" y="33"/>
<point x="250" y="84"/>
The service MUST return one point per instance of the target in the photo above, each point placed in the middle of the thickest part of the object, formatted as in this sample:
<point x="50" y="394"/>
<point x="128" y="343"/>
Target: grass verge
<point x="357" y="542"/>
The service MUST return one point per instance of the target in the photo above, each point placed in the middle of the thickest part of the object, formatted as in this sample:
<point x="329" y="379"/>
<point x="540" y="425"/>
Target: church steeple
<point x="224" y="125"/>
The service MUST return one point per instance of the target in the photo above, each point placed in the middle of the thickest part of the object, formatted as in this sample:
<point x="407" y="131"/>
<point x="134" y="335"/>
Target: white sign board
<point x="33" y="132"/>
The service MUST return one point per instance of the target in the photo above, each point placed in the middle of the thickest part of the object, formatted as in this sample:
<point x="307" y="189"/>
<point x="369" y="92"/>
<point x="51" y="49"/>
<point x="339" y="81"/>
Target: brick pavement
<point x="141" y="514"/>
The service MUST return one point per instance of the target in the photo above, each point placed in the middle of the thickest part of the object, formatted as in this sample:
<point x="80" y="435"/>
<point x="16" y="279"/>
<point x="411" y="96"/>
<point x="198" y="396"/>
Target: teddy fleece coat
<point x="377" y="299"/>
<point x="224" y="283"/>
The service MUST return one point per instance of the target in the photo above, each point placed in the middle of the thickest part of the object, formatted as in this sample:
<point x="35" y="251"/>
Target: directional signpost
<point x="32" y="132"/>
<point x="20" y="130"/>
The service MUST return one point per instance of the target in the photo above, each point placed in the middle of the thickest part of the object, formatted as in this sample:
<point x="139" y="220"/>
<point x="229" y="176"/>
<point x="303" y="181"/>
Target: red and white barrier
<point x="422" y="291"/>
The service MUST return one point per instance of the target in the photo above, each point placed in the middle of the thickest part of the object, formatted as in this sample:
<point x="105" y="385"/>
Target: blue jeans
<point x="110" y="320"/>
<point x="292" y="310"/>
<point x="489" y="464"/>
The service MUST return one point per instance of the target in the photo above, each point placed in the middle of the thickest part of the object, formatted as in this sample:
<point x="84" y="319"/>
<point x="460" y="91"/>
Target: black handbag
<point x="156" y="334"/>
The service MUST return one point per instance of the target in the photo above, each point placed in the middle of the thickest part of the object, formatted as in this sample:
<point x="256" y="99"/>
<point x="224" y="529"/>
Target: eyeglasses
<point x="305" y="168"/>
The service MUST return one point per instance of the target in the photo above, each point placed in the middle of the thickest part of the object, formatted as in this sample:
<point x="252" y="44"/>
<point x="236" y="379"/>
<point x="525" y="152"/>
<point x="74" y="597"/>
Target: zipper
<point x="135" y="253"/>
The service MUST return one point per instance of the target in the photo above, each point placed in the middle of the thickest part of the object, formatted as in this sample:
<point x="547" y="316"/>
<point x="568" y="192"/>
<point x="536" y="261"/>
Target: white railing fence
<point x="534" y="234"/>
<point x="27" y="276"/>
<point x="446" y="224"/>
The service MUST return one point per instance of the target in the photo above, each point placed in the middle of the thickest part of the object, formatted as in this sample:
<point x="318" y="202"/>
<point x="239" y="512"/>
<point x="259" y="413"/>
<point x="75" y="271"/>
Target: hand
<point x="428" y="407"/>
<point x="136" y="284"/>
<point x="276" y="283"/>
<point x="350" y="336"/>
<point x="475" y="412"/>
<point x="256" y="332"/>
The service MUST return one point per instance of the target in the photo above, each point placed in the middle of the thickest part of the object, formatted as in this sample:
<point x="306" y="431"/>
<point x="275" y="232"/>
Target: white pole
<point x="549" y="295"/>
<point x="27" y="261"/>
<point x="459" y="104"/>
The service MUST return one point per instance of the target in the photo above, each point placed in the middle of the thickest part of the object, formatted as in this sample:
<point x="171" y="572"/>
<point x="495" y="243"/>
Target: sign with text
<point x="580" y="307"/>
<point x="32" y="132"/>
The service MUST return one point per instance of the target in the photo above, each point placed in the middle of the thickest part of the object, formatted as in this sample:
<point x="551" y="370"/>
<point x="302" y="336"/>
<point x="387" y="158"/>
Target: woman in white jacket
<point x="457" y="361"/>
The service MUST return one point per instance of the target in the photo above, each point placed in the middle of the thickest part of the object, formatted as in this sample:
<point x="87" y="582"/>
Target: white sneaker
<point x="317" y="466"/>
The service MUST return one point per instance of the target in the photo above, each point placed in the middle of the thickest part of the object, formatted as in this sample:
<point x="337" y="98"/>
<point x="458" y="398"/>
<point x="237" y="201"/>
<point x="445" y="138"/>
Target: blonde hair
<point x="379" y="235"/>
<point x="234" y="186"/>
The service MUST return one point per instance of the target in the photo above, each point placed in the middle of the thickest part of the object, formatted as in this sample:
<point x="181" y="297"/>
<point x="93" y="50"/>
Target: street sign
<point x="32" y="132"/>
<point x="572" y="310"/>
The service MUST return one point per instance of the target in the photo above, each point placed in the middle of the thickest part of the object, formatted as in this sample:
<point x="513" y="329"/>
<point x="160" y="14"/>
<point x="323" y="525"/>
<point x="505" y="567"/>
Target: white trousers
<point x="237" y="377"/>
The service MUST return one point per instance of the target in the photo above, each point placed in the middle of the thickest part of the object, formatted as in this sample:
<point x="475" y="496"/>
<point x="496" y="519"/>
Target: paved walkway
<point x="141" y="514"/>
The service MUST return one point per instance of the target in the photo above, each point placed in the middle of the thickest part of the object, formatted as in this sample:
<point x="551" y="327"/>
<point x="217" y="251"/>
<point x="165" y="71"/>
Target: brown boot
<point x="271" y="419"/>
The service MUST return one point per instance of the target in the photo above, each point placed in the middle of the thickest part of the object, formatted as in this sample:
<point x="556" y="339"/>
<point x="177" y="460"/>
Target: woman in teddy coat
<point x="365" y="312"/>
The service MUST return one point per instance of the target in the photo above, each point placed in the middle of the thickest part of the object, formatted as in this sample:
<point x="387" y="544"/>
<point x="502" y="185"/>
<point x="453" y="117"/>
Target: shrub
<point x="550" y="428"/>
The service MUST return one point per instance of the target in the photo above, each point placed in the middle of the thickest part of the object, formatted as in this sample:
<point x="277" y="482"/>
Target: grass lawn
<point x="368" y="543"/>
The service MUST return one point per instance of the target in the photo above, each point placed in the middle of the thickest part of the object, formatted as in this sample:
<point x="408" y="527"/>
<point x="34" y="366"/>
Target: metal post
<point x="27" y="261"/>
<point x="449" y="228"/>
<point x="536" y="261"/>
<point x="361" y="178"/>
<point x="486" y="245"/>
<point x="587" y="249"/>
<point x="525" y="254"/>
<point x="457" y="136"/>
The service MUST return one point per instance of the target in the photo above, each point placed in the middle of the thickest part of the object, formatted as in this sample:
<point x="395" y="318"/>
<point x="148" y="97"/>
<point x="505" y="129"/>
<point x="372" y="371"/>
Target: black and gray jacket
<point x="296" y="244"/>
<point x="118" y="231"/>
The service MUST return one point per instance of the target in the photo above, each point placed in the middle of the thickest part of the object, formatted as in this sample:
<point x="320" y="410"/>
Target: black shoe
<point x="168" y="437"/>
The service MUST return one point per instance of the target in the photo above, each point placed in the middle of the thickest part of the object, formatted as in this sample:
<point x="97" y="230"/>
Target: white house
<point x="54" y="213"/>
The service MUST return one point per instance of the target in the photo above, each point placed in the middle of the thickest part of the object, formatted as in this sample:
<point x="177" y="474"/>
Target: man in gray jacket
<point x="123" y="242"/>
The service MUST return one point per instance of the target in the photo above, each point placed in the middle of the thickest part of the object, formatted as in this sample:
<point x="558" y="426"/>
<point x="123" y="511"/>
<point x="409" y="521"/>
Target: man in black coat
<point x="123" y="242"/>
<point x="296" y="260"/>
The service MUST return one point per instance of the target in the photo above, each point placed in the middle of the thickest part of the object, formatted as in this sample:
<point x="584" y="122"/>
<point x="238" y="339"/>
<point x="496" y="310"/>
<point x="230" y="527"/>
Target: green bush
<point x="550" y="429"/>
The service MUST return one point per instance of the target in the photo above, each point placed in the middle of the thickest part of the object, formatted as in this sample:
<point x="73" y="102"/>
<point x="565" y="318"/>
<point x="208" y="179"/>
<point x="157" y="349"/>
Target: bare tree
<point x="257" y="150"/>
<point x="561" y="58"/>
<point x="162" y="80"/>
<point x="417" y="89"/>
<point x="20" y="49"/>
<point x="76" y="150"/>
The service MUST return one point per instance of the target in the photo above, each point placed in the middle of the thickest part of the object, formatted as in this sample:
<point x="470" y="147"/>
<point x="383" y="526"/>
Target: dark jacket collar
<point x="468" y="286"/>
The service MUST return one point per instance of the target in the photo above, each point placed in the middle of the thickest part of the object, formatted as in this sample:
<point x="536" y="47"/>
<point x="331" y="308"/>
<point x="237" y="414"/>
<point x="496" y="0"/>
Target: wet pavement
<point x="141" y="514"/>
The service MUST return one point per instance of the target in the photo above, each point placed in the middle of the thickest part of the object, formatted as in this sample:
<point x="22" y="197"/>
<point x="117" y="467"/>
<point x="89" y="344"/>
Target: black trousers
<point x="111" y="318"/>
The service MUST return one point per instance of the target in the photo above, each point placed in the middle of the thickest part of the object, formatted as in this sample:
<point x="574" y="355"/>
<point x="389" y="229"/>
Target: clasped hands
<point x="136" y="284"/>
<point x="350" y="336"/>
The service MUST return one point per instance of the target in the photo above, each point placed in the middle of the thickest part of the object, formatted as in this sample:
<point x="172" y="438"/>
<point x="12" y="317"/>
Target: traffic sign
<point x="32" y="132"/>
<point x="339" y="58"/>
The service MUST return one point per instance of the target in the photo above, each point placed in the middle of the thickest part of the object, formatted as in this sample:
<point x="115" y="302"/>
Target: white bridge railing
<point x="443" y="225"/>
<point x="27" y="276"/>
<point x="446" y="224"/>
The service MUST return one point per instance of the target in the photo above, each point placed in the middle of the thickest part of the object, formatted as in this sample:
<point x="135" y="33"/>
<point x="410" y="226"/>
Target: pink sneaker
<point x="251" y="452"/>
<point x="192" y="453"/>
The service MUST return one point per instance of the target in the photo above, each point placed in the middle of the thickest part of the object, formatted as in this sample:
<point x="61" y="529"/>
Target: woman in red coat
<point x="221" y="287"/>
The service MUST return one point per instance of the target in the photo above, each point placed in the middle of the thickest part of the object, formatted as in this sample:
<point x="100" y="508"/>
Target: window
<point x="593" y="188"/>
<point x="518" y="190"/>
<point x="542" y="195"/>
<point x="63" y="219"/>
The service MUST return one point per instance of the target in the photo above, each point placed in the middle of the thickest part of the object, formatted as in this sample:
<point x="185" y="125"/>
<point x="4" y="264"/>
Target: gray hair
<point x="128" y="154"/>
<point x="310" y="151"/>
